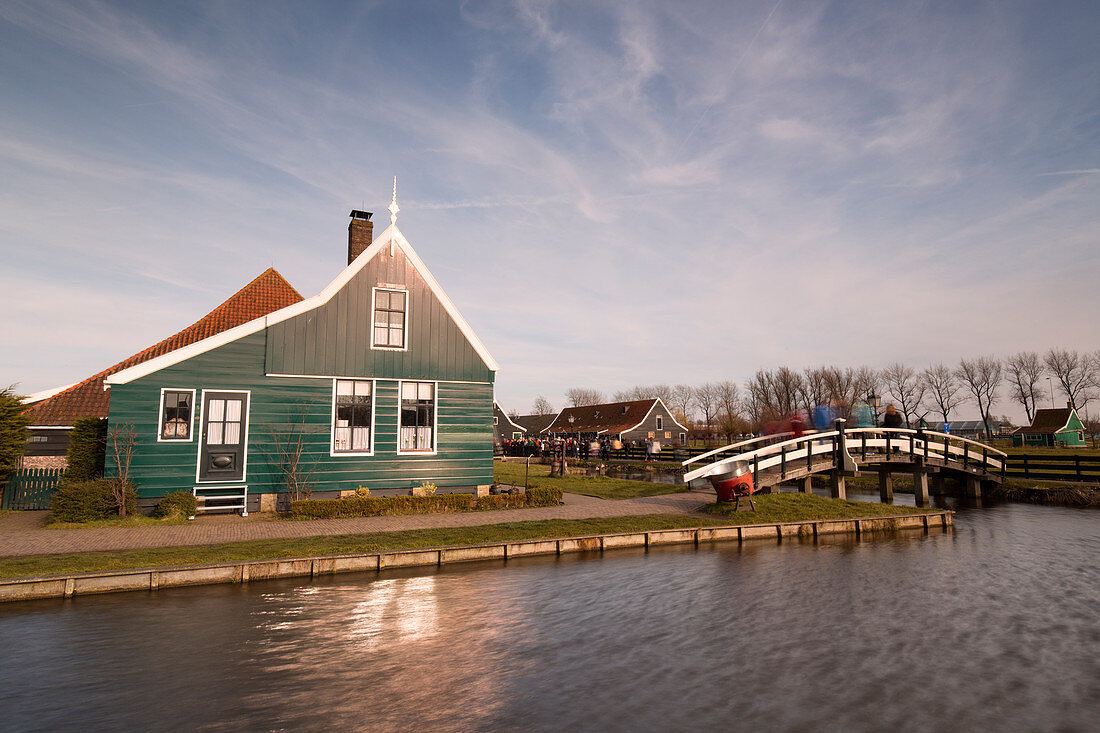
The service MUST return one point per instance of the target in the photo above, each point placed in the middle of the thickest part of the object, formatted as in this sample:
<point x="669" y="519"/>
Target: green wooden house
<point x="378" y="381"/>
<point x="1060" y="427"/>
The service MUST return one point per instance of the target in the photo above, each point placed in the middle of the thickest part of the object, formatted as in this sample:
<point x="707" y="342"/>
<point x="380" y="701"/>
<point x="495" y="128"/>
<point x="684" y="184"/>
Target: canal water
<point x="991" y="626"/>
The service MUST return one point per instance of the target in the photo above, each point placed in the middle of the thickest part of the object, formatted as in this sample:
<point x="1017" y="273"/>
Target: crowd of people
<point x="575" y="447"/>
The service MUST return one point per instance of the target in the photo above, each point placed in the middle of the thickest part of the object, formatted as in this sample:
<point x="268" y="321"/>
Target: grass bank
<point x="770" y="508"/>
<point x="807" y="507"/>
<point x="507" y="472"/>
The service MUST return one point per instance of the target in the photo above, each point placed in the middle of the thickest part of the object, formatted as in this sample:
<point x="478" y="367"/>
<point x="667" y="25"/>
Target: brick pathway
<point x="24" y="533"/>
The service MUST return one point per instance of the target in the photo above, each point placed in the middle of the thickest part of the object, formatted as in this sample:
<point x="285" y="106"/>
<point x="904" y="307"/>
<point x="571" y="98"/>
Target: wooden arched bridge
<point x="926" y="455"/>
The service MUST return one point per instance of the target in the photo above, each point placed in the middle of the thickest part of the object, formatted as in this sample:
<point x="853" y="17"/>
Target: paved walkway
<point x="24" y="533"/>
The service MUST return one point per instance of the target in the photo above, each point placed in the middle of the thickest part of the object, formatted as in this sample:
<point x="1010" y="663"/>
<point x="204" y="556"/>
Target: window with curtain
<point x="175" y="414"/>
<point x="417" y="417"/>
<point x="389" y="318"/>
<point x="351" y="429"/>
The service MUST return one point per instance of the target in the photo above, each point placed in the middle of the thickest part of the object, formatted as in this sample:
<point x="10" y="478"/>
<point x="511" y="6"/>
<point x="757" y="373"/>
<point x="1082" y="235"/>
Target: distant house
<point x="626" y="421"/>
<point x="53" y="412"/>
<point x="533" y="425"/>
<point x="1056" y="427"/>
<point x="376" y="381"/>
<point x="503" y="426"/>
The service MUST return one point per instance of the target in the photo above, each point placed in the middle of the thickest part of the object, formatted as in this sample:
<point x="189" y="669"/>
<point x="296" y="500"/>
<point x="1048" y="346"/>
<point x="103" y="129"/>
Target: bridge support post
<point x="836" y="485"/>
<point x="973" y="487"/>
<point x="920" y="485"/>
<point x="806" y="485"/>
<point x="886" y="487"/>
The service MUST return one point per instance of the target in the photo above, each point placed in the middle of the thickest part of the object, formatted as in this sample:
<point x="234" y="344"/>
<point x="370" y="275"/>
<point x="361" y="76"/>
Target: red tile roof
<point x="267" y="293"/>
<point x="612" y="418"/>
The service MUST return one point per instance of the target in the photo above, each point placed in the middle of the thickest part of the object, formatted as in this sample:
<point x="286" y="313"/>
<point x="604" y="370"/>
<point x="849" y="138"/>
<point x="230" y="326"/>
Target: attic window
<point x="660" y="422"/>
<point x="390" y="319"/>
<point x="596" y="413"/>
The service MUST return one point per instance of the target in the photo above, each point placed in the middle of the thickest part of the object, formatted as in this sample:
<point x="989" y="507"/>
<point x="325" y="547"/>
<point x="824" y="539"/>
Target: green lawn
<point x="799" y="507"/>
<point x="601" y="486"/>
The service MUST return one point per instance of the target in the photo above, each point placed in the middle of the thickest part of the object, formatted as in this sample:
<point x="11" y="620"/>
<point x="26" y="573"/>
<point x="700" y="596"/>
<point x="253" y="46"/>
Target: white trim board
<point x="650" y="410"/>
<point x="46" y="394"/>
<point x="361" y="378"/>
<point x="381" y="241"/>
<point x="506" y="417"/>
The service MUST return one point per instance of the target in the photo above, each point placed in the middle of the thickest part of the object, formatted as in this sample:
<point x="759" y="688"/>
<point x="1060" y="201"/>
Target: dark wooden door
<point x="223" y="442"/>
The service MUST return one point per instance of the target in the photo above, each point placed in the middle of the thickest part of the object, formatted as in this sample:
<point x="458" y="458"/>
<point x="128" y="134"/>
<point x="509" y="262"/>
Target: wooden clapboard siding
<point x="335" y="338"/>
<point x="464" y="440"/>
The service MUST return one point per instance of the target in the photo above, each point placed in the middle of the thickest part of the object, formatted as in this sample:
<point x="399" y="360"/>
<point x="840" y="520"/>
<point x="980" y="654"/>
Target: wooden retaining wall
<point x="66" y="586"/>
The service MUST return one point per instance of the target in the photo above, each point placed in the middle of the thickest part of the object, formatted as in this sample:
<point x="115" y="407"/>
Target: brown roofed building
<point x="1055" y="427"/>
<point x="55" y="411"/>
<point x="634" y="420"/>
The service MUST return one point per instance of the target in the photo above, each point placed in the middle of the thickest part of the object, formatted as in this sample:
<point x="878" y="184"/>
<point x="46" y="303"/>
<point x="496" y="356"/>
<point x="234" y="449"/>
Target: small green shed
<point x="1056" y="427"/>
<point x="378" y="381"/>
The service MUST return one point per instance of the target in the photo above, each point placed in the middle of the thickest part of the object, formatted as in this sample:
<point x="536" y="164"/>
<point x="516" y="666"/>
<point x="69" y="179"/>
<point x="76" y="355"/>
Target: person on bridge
<point x="891" y="419"/>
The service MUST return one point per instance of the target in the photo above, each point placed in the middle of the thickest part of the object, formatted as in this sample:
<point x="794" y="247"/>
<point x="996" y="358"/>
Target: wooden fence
<point x="31" y="488"/>
<point x="1052" y="467"/>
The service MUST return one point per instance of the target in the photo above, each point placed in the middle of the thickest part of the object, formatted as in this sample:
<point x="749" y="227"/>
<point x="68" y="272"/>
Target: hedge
<point x="379" y="506"/>
<point x="502" y="501"/>
<point x="391" y="506"/>
<point x="543" y="496"/>
<point x="180" y="504"/>
<point x="88" y="501"/>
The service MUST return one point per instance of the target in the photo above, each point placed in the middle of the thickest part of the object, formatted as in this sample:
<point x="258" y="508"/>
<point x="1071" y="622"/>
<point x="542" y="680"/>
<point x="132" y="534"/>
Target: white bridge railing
<point x="844" y="449"/>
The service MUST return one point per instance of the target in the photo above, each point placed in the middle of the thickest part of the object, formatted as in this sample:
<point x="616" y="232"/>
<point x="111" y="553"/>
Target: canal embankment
<point x="67" y="585"/>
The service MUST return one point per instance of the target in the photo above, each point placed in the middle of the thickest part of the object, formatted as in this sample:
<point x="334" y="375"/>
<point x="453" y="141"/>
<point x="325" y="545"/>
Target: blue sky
<point x="612" y="193"/>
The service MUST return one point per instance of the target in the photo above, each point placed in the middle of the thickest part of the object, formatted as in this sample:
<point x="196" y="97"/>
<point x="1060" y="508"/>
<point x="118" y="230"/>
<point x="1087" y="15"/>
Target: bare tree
<point x="842" y="389"/>
<point x="1024" y="371"/>
<point x="982" y="376"/>
<point x="681" y="401"/>
<point x="1074" y="372"/>
<point x="943" y="388"/>
<point x="123" y="441"/>
<point x="542" y="406"/>
<point x="728" y="398"/>
<point x="662" y="392"/>
<point x="581" y="397"/>
<point x="289" y="452"/>
<point x="906" y="387"/>
<point x="814" y="391"/>
<point x="513" y="413"/>
<point x="706" y="397"/>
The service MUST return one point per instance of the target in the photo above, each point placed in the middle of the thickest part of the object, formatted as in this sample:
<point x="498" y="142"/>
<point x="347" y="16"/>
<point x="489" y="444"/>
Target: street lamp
<point x="873" y="401"/>
<point x="1051" y="385"/>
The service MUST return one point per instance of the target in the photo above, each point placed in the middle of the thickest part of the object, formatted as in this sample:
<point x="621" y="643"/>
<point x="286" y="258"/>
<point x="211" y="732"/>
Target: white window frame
<point x="198" y="443"/>
<point x="160" y="417"/>
<point x="660" y="422"/>
<point x="435" y="418"/>
<point x="405" y="335"/>
<point x="333" y="453"/>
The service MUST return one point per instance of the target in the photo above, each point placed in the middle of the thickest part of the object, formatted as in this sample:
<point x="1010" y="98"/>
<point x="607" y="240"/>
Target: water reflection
<point x="991" y="626"/>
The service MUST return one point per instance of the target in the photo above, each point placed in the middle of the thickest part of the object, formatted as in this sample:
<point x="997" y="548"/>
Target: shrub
<point x="503" y="501"/>
<point x="87" y="449"/>
<point x="88" y="501"/>
<point x="379" y="506"/>
<point x="362" y="492"/>
<point x="543" y="496"/>
<point x="429" y="488"/>
<point x="180" y="504"/>
<point x="13" y="434"/>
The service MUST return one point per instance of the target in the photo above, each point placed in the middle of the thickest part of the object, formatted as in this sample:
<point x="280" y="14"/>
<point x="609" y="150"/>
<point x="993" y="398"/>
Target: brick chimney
<point x="360" y="233"/>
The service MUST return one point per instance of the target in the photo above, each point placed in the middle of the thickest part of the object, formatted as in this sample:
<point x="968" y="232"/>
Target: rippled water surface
<point x="993" y="626"/>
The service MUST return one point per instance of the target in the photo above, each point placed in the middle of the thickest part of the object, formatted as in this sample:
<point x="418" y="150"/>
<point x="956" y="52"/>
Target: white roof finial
<point x="394" y="208"/>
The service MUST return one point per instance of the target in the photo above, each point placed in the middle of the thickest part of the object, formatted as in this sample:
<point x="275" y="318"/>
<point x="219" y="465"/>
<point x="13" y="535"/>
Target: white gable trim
<point x="46" y="394"/>
<point x="509" y="419"/>
<point x="655" y="401"/>
<point x="392" y="233"/>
